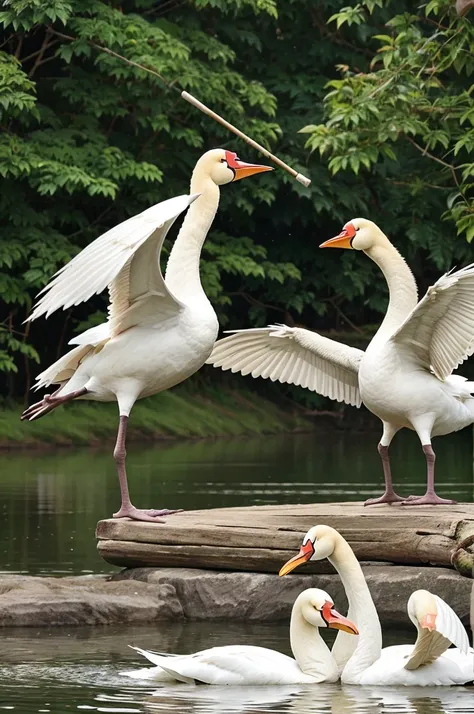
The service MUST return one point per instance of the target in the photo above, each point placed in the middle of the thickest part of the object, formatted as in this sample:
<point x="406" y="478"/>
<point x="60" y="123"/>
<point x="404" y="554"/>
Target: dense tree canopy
<point x="88" y="140"/>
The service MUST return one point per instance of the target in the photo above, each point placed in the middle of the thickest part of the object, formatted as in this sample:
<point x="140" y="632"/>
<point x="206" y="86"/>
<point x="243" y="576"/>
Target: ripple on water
<point x="70" y="686"/>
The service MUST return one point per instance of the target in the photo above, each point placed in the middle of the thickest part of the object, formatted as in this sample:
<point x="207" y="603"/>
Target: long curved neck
<point x="401" y="285"/>
<point x="368" y="644"/>
<point x="182" y="272"/>
<point x="310" y="651"/>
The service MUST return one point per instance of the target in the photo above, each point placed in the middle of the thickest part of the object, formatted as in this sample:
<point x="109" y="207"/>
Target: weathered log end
<point x="463" y="7"/>
<point x="463" y="557"/>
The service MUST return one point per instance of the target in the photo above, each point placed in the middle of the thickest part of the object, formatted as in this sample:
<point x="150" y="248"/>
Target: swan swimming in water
<point x="362" y="660"/>
<point x="250" y="665"/>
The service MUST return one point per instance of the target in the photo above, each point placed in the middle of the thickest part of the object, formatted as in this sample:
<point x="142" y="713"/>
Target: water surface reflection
<point x="68" y="670"/>
<point x="50" y="503"/>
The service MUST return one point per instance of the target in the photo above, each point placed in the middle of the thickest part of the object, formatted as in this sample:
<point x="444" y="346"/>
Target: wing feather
<point x="431" y="644"/>
<point x="231" y="665"/>
<point x="101" y="263"/>
<point x="450" y="626"/>
<point x="439" y="332"/>
<point x="293" y="355"/>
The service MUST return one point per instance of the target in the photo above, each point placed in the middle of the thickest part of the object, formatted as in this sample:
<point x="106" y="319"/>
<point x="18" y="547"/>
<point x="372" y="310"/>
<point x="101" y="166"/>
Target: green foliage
<point x="412" y="105"/>
<point x="11" y="348"/>
<point x="27" y="14"/>
<point x="192" y="410"/>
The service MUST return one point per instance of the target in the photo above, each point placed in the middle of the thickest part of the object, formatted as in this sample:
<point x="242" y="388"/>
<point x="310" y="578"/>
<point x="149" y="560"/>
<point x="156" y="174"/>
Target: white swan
<point x="159" y="331"/>
<point x="249" y="665"/>
<point x="427" y="663"/>
<point x="404" y="376"/>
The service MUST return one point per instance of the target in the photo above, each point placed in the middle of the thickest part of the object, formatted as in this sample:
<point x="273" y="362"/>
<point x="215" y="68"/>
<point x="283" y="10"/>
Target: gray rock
<point x="91" y="600"/>
<point x="151" y="594"/>
<point x="207" y="594"/>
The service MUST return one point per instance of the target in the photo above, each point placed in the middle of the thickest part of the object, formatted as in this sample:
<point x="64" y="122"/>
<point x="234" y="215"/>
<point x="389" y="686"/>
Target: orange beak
<point x="335" y="621"/>
<point x="343" y="240"/>
<point x="241" y="169"/>
<point x="306" y="551"/>
<point x="428" y="622"/>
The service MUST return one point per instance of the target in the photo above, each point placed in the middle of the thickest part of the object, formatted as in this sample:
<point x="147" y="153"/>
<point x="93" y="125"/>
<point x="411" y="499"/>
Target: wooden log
<point x="135" y="555"/>
<point x="261" y="538"/>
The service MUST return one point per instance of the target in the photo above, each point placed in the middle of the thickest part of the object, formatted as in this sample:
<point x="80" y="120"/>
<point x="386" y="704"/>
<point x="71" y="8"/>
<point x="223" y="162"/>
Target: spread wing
<point x="431" y="644"/>
<point x="293" y="355"/>
<point x="126" y="260"/>
<point x="439" y="332"/>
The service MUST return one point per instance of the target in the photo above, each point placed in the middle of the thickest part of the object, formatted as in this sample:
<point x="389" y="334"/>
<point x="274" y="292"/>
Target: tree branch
<point x="161" y="6"/>
<point x="425" y="152"/>
<point x="425" y="185"/>
<point x="35" y="54"/>
<point x="258" y="303"/>
<point x="19" y="47"/>
<point x="115" y="54"/>
<point x="46" y="44"/>
<point x="344" y="317"/>
<point x="96" y="220"/>
<point x="7" y="40"/>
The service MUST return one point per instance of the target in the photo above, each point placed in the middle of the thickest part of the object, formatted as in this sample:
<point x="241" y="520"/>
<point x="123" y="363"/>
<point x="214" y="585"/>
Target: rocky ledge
<point x="151" y="594"/>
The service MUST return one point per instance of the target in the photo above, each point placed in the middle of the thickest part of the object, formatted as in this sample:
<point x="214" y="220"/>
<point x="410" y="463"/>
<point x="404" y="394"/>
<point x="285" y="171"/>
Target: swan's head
<point x="422" y="609"/>
<point x="317" y="608"/>
<point x="358" y="234"/>
<point x="224" y="166"/>
<point x="318" y="543"/>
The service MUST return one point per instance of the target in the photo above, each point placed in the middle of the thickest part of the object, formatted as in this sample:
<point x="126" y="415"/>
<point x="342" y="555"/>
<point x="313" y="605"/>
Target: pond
<point x="61" y="671"/>
<point x="50" y="503"/>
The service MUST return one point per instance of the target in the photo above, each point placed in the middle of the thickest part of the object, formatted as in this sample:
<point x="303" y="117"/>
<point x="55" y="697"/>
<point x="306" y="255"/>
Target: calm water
<point x="65" y="670"/>
<point x="50" y="504"/>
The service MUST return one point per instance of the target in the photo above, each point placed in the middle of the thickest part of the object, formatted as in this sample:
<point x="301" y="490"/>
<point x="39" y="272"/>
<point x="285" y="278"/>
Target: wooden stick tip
<point x="302" y="179"/>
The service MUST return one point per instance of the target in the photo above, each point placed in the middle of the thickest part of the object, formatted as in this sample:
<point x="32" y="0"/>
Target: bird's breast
<point x="157" y="357"/>
<point x="384" y="383"/>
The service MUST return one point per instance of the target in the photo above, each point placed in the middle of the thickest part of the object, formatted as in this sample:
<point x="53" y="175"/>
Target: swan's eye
<point x="358" y="229"/>
<point x="223" y="161"/>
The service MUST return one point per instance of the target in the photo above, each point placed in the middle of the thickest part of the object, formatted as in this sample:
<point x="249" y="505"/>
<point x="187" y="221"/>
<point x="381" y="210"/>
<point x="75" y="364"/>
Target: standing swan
<point x="159" y="331"/>
<point x="362" y="660"/>
<point x="249" y="665"/>
<point x="404" y="376"/>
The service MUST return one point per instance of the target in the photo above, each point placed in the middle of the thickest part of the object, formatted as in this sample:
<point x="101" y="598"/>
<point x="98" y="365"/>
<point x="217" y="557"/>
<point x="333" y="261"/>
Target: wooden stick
<point x="199" y="105"/>
<point x="202" y="107"/>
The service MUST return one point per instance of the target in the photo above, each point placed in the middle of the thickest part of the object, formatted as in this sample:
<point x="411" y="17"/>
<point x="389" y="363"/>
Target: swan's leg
<point x="50" y="402"/>
<point x="430" y="498"/>
<point x="389" y="496"/>
<point x="127" y="509"/>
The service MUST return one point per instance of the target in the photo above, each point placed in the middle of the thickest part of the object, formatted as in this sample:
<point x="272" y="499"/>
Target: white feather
<point x="439" y="332"/>
<point x="293" y="355"/>
<point x="450" y="626"/>
<point x="228" y="665"/>
<point x="100" y="264"/>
